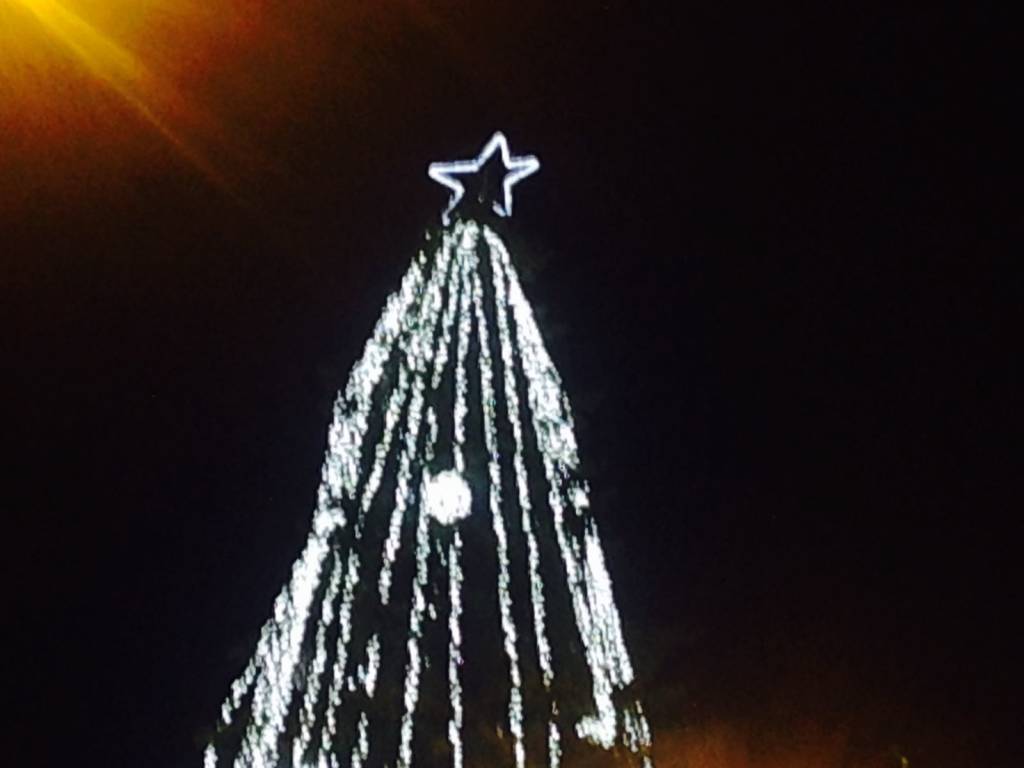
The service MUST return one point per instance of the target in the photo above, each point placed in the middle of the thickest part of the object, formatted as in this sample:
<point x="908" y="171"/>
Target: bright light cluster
<point x="458" y="335"/>
<point x="446" y="497"/>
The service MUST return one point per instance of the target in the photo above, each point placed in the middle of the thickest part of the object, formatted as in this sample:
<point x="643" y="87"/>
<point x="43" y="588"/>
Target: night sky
<point x="762" y="250"/>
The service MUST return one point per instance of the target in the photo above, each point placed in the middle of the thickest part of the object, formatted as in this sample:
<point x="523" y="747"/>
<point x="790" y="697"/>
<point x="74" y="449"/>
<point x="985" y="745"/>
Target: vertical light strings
<point x="455" y="648"/>
<point x="522" y="480"/>
<point x="424" y="332"/>
<point x="499" y="279"/>
<point x="455" y="548"/>
<point x="419" y="352"/>
<point x="597" y="618"/>
<point x="418" y="604"/>
<point x="488" y="405"/>
<point x="415" y="321"/>
<point x="316" y="668"/>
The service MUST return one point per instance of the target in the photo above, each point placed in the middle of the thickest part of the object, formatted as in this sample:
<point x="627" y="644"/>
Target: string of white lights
<point x="361" y="749"/>
<point x="455" y="578"/>
<point x="487" y="404"/>
<point x="593" y="604"/>
<point x="239" y="688"/>
<point x="278" y="654"/>
<point x="316" y="668"/>
<point x="330" y="728"/>
<point x="451" y="305"/>
<point x="498" y="257"/>
<point x="391" y="415"/>
<point x="348" y="440"/>
<point x="553" y="427"/>
<point x="465" y="324"/>
<point x="419" y="351"/>
<point x="637" y="732"/>
<point x="419" y="604"/>
<point x="608" y="627"/>
<point x="455" y="647"/>
<point x="351" y="411"/>
<point x="402" y="489"/>
<point x="368" y="674"/>
<point x="413" y="342"/>
<point x="554" y="745"/>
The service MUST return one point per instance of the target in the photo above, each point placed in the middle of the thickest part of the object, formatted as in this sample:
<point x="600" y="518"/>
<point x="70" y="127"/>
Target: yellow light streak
<point x="98" y="95"/>
<point x="154" y="99"/>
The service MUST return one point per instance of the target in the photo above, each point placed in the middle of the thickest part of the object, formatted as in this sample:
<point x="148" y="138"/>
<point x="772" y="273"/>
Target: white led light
<point x="516" y="169"/>
<point x="487" y="405"/>
<point x="455" y="650"/>
<point x="446" y="497"/>
<point x="522" y="481"/>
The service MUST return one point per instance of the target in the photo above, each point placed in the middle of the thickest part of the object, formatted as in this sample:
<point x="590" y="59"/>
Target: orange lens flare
<point x="31" y="83"/>
<point x="97" y="96"/>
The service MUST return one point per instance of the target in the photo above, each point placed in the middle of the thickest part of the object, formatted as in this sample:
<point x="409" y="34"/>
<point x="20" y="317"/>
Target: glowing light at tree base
<point x="451" y="482"/>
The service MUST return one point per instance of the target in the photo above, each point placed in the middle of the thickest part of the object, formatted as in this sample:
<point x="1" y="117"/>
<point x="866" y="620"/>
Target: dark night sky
<point x="762" y="249"/>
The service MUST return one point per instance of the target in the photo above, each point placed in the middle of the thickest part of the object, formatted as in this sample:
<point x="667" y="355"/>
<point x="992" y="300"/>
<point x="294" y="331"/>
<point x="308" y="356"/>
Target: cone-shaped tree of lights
<point x="452" y="604"/>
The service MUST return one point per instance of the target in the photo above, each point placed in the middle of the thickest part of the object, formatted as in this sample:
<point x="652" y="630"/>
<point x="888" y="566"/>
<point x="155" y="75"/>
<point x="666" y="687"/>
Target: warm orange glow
<point x="38" y="39"/>
<point x="99" y="96"/>
<point x="804" y="745"/>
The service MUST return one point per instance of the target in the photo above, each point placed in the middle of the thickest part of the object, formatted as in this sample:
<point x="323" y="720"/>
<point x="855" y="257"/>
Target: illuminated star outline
<point x="516" y="169"/>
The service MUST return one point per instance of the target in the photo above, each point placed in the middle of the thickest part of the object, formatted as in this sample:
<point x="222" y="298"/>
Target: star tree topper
<point x="516" y="169"/>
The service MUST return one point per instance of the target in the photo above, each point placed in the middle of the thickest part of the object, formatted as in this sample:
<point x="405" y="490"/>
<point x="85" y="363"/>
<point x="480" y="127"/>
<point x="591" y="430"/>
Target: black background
<point x="762" y="249"/>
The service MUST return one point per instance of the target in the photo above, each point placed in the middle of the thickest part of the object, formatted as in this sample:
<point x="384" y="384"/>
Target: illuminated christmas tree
<point x="452" y="604"/>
